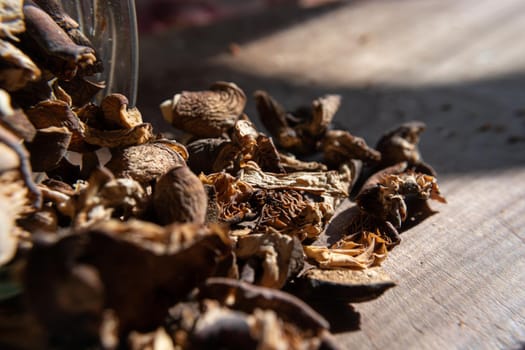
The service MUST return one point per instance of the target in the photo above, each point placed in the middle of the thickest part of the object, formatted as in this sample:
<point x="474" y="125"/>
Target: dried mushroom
<point x="340" y="146"/>
<point x="206" y="113"/>
<point x="385" y="194"/>
<point x="179" y="196"/>
<point x="146" y="162"/>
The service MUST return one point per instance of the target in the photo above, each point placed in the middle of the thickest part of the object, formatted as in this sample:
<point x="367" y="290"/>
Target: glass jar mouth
<point x="111" y="26"/>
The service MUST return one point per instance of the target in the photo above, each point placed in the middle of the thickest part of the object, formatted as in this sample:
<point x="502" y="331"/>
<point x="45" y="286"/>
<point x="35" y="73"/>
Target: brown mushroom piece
<point x="207" y="113"/>
<point x="340" y="147"/>
<point x="179" y="196"/>
<point x="385" y="194"/>
<point x="145" y="163"/>
<point x="117" y="114"/>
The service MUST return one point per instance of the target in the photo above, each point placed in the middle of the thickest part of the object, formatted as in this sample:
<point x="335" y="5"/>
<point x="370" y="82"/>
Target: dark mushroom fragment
<point x="49" y="147"/>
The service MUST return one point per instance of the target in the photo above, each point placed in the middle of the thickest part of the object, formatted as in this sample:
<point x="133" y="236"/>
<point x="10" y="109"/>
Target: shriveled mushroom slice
<point x="179" y="196"/>
<point x="205" y="113"/>
<point x="359" y="251"/>
<point x="340" y="147"/>
<point x="11" y="19"/>
<point x="16" y="70"/>
<point x="290" y="212"/>
<point x="247" y="297"/>
<point x="386" y="193"/>
<point x="278" y="256"/>
<point x="144" y="163"/>
<point x="341" y="285"/>
<point x="117" y="114"/>
<point x="56" y="49"/>
<point x="137" y="135"/>
<point x="232" y="195"/>
<point x="334" y="183"/>
<point x="136" y="269"/>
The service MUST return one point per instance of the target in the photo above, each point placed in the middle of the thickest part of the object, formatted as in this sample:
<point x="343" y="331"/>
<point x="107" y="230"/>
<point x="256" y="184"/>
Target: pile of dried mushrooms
<point x="113" y="236"/>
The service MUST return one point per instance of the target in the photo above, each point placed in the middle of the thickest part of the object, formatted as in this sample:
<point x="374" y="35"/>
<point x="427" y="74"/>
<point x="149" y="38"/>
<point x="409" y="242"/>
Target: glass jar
<point x="111" y="26"/>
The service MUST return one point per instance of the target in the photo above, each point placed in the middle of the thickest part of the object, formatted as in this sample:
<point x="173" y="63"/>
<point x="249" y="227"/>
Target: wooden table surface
<point x="457" y="65"/>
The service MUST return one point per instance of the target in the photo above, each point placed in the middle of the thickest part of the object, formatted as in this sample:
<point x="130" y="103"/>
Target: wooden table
<point x="457" y="65"/>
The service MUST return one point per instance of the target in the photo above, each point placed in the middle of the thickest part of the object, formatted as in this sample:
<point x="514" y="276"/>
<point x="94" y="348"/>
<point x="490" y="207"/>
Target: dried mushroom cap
<point x="139" y="283"/>
<point x="179" y="196"/>
<point x="205" y="113"/>
<point x="278" y="257"/>
<point x="401" y="144"/>
<point x="117" y="114"/>
<point x="144" y="163"/>
<point x="247" y="297"/>
<point x="16" y="69"/>
<point x="11" y="18"/>
<point x="137" y="135"/>
<point x="340" y="147"/>
<point x="341" y="285"/>
<point x="292" y="164"/>
<point x="384" y="195"/>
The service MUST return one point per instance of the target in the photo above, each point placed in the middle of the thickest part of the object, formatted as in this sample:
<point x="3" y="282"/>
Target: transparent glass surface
<point x="112" y="28"/>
